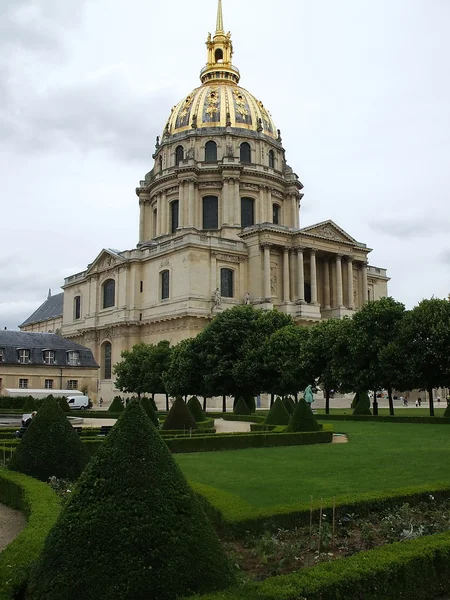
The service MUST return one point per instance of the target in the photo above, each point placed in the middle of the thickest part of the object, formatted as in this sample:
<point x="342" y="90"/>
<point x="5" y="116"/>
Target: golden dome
<point x="219" y="101"/>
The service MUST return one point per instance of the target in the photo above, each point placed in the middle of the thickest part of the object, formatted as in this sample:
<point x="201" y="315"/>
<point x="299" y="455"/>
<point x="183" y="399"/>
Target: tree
<point x="184" y="373"/>
<point x="50" y="446"/>
<point x="132" y="527"/>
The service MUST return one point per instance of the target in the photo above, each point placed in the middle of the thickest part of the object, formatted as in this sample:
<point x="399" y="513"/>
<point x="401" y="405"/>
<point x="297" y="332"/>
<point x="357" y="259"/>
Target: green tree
<point x="184" y="373"/>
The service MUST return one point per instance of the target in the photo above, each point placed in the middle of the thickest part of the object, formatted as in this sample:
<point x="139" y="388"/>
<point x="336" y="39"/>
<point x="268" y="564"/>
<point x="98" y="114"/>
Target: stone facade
<point x="219" y="226"/>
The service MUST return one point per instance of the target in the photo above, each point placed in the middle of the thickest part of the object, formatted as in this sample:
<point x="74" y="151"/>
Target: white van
<point x="78" y="402"/>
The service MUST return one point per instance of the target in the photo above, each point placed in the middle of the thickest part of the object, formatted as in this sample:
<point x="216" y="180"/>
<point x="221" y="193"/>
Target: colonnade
<point x="330" y="277"/>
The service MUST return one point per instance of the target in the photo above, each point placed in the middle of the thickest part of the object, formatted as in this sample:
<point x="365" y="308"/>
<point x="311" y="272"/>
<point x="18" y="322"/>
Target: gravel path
<point x="230" y="426"/>
<point x="11" y="524"/>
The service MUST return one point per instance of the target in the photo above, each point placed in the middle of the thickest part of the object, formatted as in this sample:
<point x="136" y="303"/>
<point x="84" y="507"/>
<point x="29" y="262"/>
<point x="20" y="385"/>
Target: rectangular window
<point x="24" y="357"/>
<point x="23" y="384"/>
<point x="72" y="384"/>
<point x="48" y="384"/>
<point x="210" y="212"/>
<point x="174" y="216"/>
<point x="77" y="308"/>
<point x="142" y="287"/>
<point x="49" y="357"/>
<point x="165" y="285"/>
<point x="226" y="283"/>
<point x="247" y="212"/>
<point x="2" y="355"/>
<point x="276" y="214"/>
<point x="72" y="359"/>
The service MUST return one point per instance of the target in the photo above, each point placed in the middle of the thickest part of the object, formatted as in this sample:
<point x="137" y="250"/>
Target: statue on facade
<point x="247" y="298"/>
<point x="309" y="395"/>
<point x="217" y="297"/>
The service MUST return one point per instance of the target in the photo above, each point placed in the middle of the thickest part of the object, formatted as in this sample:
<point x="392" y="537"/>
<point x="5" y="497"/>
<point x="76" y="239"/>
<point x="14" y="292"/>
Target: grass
<point x="378" y="457"/>
<point x="411" y="411"/>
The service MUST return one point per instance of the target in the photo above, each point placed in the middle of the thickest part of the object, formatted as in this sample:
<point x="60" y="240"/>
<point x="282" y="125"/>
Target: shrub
<point x="63" y="405"/>
<point x="289" y="404"/>
<point x="241" y="408"/>
<point x="179" y="417"/>
<point x="362" y="404"/>
<point x="132" y="529"/>
<point x="116" y="405"/>
<point x="196" y="409"/>
<point x="447" y="412"/>
<point x="152" y="402"/>
<point x="148" y="409"/>
<point x="278" y="415"/>
<point x="302" y="418"/>
<point x="50" y="446"/>
<point x="30" y="405"/>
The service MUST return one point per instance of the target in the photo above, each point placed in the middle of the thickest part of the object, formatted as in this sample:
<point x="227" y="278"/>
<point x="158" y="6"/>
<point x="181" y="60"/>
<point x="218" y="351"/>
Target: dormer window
<point x="24" y="356"/>
<point x="49" y="357"/>
<point x="73" y="359"/>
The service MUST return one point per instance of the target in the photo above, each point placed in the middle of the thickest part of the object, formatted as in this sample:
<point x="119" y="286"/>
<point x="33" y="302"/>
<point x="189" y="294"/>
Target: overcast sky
<point x="360" y="90"/>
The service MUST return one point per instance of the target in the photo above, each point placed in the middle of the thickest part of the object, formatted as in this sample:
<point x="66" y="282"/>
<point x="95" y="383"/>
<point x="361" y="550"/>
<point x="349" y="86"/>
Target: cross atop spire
<point x="219" y="25"/>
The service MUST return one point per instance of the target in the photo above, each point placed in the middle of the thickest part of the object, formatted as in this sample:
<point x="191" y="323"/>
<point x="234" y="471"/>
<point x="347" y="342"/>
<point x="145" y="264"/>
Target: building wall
<point x="49" y="326"/>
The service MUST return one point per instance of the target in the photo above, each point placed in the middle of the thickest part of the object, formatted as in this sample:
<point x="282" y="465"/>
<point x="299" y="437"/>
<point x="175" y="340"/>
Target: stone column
<point x="191" y="213"/>
<point x="326" y="283"/>
<point x="313" y="277"/>
<point x="292" y="267"/>
<point x="286" y="286"/>
<point x="237" y="203"/>
<point x="339" y="295"/>
<point x="213" y="273"/>
<point x="181" y="204"/>
<point x="158" y="215"/>
<point x="141" y="220"/>
<point x="262" y="207"/>
<point x="301" y="276"/>
<point x="164" y="214"/>
<point x="365" y="285"/>
<point x="267" y="291"/>
<point x="295" y="211"/>
<point x="350" y="291"/>
<point x="226" y="202"/>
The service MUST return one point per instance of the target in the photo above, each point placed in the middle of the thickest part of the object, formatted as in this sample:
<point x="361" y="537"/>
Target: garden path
<point x="11" y="524"/>
<point x="230" y="426"/>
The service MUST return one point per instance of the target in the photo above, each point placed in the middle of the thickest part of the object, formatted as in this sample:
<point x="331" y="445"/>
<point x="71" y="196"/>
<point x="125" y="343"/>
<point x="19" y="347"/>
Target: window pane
<point x="48" y="384"/>
<point x="174" y="212"/>
<point x="109" y="293"/>
<point x="226" y="283"/>
<point x="107" y="361"/>
<point x="272" y="159"/>
<point x="72" y="384"/>
<point x="179" y="155"/>
<point x="211" y="152"/>
<point x="246" y="153"/>
<point x="247" y="216"/>
<point x="210" y="212"/>
<point x="77" y="307"/>
<point x="72" y="359"/>
<point x="23" y="384"/>
<point x="165" y="289"/>
<point x="276" y="214"/>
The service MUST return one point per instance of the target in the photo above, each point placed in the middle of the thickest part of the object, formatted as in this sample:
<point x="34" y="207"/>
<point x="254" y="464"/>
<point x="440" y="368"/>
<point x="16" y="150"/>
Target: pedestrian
<point x="101" y="401"/>
<point x="438" y="398"/>
<point x="417" y="403"/>
<point x="419" y="400"/>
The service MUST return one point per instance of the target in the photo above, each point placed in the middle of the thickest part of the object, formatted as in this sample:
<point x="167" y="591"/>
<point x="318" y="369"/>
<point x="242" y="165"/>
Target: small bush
<point x="50" y="446"/>
<point x="63" y="405"/>
<point x="116" y="405"/>
<point x="152" y="402"/>
<point x="302" y="418"/>
<point x="362" y="404"/>
<point x="148" y="409"/>
<point x="179" y="417"/>
<point x="278" y="415"/>
<point x="289" y="404"/>
<point x="447" y="412"/>
<point x="30" y="405"/>
<point x="242" y="408"/>
<point x="196" y="409"/>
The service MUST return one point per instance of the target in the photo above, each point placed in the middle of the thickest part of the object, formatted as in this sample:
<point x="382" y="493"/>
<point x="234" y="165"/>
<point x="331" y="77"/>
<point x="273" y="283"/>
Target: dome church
<point x="219" y="226"/>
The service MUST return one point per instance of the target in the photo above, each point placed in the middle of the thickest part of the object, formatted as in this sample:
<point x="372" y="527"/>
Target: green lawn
<point x="379" y="456"/>
<point x="411" y="411"/>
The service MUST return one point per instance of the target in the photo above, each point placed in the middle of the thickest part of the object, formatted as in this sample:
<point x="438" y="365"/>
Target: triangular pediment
<point x="107" y="259"/>
<point x="330" y="231"/>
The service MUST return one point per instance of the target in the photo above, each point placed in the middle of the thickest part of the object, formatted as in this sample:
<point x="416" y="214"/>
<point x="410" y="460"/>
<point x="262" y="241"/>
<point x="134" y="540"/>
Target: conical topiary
<point x="363" y="404"/>
<point x="116" y="405"/>
<point x="132" y="528"/>
<point x="302" y="418"/>
<point x="30" y="405"/>
<point x="50" y="446"/>
<point x="278" y="415"/>
<point x="196" y="410"/>
<point x="242" y="408"/>
<point x="179" y="417"/>
<point x="289" y="404"/>
<point x="148" y="408"/>
<point x="63" y="404"/>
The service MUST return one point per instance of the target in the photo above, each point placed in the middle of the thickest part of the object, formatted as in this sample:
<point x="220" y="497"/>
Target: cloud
<point x="405" y="227"/>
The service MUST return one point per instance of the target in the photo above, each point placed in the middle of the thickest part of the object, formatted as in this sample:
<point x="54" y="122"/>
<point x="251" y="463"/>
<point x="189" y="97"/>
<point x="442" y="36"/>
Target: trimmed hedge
<point x="116" y="405"/>
<point x="41" y="506"/>
<point x="30" y="405"/>
<point x="362" y="404"/>
<point x="132" y="528"/>
<point x="196" y="410"/>
<point x="64" y="405"/>
<point x="242" y="408"/>
<point x="244" y="418"/>
<point x="289" y="404"/>
<point x="179" y="417"/>
<point x="278" y="414"/>
<point x="385" y="419"/>
<point x="302" y="418"/>
<point x="147" y="406"/>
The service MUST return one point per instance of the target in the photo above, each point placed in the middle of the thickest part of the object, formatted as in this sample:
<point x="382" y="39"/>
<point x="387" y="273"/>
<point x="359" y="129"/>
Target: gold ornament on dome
<point x="213" y="100"/>
<point x="185" y="108"/>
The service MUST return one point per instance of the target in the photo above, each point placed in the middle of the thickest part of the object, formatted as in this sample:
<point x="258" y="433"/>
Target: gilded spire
<point x="219" y="25"/>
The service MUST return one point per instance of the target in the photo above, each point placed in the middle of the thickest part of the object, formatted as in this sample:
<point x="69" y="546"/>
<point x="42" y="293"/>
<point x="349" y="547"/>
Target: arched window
<point x="219" y="55"/>
<point x="165" y="285"/>
<point x="272" y="159"/>
<point x="106" y="355"/>
<point x="179" y="155"/>
<point x="247" y="212"/>
<point x="307" y="289"/>
<point x="210" y="212"/>
<point x="109" y="293"/>
<point x="77" y="308"/>
<point x="227" y="283"/>
<point x="160" y="164"/>
<point x="246" y="153"/>
<point x="211" y="152"/>
<point x="276" y="211"/>
<point x="174" y="211"/>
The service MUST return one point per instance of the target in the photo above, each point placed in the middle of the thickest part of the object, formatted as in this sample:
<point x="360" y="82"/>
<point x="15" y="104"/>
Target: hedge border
<point x="41" y="506"/>
<point x="245" y="418"/>
<point x="384" y="419"/>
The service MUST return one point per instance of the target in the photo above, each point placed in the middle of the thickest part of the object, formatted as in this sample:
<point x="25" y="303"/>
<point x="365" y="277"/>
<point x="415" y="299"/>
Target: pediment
<point x="107" y="259"/>
<point x="330" y="231"/>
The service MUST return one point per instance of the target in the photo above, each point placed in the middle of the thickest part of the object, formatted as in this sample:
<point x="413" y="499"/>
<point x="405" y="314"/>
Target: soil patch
<point x="11" y="524"/>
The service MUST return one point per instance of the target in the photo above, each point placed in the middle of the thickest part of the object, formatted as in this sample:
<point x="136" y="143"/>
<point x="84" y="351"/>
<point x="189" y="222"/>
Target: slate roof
<point x="51" y="309"/>
<point x="11" y="341"/>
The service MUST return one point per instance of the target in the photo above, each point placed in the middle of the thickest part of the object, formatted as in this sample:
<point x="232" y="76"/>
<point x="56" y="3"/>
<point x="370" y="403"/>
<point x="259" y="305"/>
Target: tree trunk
<point x="327" y="402"/>
<point x="430" y="394"/>
<point x="139" y="396"/>
<point x="167" y="402"/>
<point x="272" y="399"/>
<point x="204" y="403"/>
<point x="224" y="403"/>
<point x="296" y="397"/>
<point x="391" y="402"/>
<point x="375" y="403"/>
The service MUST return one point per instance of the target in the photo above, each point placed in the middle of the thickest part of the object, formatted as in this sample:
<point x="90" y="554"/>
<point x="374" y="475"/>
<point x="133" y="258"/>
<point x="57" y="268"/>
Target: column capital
<point x="338" y="257"/>
<point x="300" y="249"/>
<point x="313" y="252"/>
<point x="265" y="245"/>
<point x="286" y="250"/>
<point x="350" y="258"/>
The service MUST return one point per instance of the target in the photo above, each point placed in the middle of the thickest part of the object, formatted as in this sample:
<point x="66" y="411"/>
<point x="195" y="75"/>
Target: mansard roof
<point x="52" y="308"/>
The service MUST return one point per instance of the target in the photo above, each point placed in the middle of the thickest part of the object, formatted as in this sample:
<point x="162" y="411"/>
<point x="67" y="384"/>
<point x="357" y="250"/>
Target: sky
<point x="359" y="89"/>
